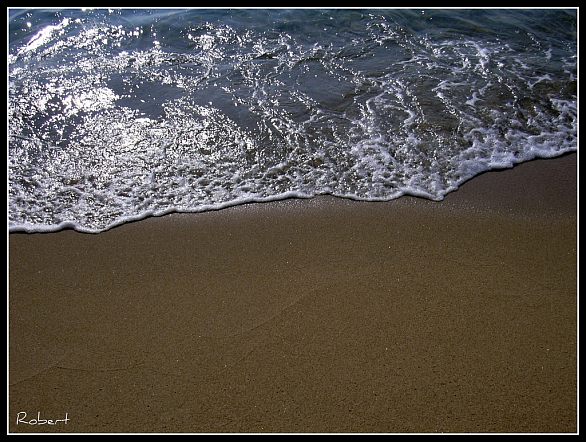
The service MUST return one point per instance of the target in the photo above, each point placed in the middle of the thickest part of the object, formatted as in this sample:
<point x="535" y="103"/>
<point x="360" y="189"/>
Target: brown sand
<point x="322" y="315"/>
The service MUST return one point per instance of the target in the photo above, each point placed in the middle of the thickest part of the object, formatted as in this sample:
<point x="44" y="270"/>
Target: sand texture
<point x="321" y="315"/>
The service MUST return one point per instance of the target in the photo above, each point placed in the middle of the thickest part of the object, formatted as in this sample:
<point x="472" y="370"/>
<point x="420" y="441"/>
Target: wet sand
<point x="321" y="315"/>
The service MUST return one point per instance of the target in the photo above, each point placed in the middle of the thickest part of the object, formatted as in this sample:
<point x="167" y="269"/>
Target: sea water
<point x="118" y="114"/>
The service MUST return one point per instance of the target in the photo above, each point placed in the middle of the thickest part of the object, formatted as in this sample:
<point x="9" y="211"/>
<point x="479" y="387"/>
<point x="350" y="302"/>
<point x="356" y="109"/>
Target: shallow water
<point x="115" y="115"/>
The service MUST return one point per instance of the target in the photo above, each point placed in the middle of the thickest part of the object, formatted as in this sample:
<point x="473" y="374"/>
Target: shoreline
<point x="318" y="315"/>
<point x="67" y="225"/>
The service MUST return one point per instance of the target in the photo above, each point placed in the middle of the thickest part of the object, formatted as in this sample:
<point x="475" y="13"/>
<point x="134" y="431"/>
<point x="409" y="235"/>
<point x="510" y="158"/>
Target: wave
<point x="117" y="116"/>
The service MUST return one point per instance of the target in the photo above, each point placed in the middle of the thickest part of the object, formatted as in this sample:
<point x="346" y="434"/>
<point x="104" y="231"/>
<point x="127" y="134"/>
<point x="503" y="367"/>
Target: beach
<point x="317" y="315"/>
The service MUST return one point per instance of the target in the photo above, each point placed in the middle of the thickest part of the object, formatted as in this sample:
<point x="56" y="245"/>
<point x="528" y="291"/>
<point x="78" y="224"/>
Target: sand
<point x="321" y="315"/>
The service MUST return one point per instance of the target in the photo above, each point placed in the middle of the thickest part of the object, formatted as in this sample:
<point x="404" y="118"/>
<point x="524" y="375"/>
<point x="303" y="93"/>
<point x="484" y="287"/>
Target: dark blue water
<point x="116" y="115"/>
